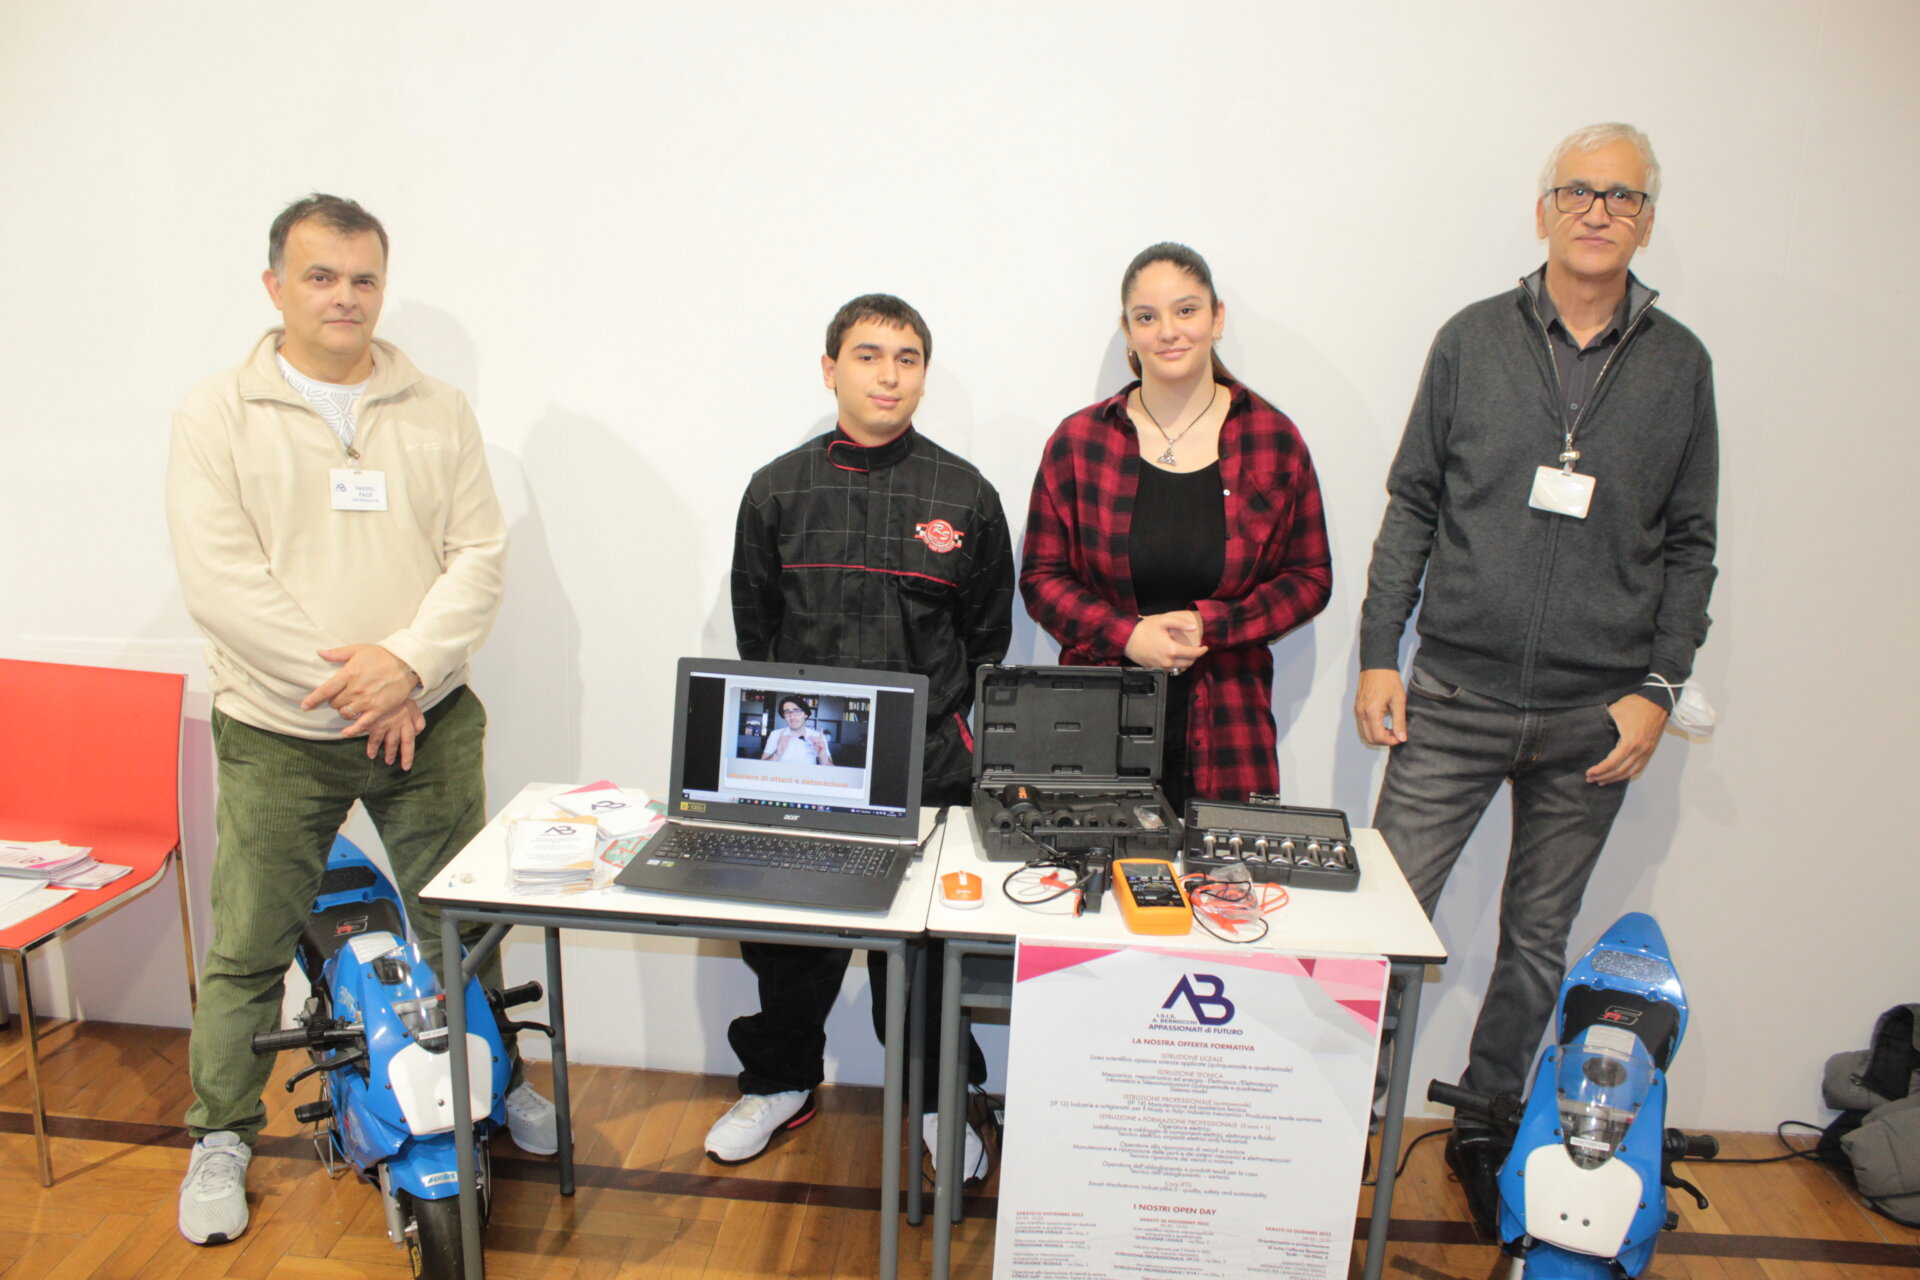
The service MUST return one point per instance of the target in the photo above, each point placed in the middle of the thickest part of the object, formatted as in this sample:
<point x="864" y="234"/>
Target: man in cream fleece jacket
<point x="340" y="544"/>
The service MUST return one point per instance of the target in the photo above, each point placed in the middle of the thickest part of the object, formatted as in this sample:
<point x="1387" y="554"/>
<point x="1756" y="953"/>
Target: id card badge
<point x="359" y="490"/>
<point x="1566" y="493"/>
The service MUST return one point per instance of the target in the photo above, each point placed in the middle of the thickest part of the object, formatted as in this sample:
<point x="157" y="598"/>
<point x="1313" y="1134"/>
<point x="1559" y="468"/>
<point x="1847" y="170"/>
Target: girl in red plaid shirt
<point x="1178" y="526"/>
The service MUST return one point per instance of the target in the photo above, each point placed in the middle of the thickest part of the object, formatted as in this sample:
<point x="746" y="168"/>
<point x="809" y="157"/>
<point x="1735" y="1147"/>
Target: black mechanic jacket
<point x="895" y="558"/>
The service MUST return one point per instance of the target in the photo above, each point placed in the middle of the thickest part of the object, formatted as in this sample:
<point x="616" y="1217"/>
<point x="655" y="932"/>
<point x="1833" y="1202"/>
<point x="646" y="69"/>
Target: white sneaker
<point x="750" y="1124"/>
<point x="532" y="1121"/>
<point x="213" y="1195"/>
<point x="974" y="1161"/>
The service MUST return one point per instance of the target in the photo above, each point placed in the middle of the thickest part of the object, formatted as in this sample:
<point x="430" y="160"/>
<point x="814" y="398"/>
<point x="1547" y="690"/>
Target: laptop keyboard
<point x="775" y="852"/>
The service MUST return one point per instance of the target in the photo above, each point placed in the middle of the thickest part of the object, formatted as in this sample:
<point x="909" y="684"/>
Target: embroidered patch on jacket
<point x="938" y="535"/>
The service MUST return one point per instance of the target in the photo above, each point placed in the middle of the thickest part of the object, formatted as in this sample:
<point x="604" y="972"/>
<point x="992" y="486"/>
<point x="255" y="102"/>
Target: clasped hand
<point x="374" y="690"/>
<point x="1166" y="641"/>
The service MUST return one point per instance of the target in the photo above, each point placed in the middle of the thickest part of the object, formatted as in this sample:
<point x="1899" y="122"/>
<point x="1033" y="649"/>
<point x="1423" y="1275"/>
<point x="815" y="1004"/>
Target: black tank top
<point x="1178" y="543"/>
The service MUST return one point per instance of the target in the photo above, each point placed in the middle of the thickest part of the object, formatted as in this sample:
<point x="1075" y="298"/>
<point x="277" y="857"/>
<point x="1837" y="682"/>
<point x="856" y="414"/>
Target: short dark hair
<point x="797" y="699"/>
<point x="883" y="307"/>
<point x="344" y="216"/>
<point x="1179" y="255"/>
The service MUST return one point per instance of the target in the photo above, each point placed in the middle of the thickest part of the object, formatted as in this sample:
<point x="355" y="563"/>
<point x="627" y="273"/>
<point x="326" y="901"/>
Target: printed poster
<point x="1174" y="1112"/>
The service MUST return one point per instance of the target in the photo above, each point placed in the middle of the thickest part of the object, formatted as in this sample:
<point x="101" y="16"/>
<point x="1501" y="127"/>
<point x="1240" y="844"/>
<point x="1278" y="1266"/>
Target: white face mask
<point x="1692" y="713"/>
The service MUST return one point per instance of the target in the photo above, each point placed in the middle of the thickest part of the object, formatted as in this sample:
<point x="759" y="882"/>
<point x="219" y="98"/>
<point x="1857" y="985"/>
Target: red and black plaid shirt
<point x="1077" y="577"/>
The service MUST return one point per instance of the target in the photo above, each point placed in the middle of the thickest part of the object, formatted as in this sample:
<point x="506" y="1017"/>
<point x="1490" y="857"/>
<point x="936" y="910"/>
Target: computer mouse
<point x="962" y="890"/>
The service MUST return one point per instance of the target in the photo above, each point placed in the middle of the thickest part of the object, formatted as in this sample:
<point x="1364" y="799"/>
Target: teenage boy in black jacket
<point x="873" y="547"/>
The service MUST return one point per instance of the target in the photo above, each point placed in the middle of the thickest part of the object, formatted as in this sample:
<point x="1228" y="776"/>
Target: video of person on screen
<point x="803" y="728"/>
<point x="795" y="742"/>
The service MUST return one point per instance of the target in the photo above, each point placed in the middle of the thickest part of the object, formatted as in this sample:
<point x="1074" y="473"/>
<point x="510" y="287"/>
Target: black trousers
<point x="783" y="1047"/>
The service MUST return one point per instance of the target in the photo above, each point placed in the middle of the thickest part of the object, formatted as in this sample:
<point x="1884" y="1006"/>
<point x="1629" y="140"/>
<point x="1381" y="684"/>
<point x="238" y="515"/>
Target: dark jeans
<point x="1460" y="747"/>
<point x="783" y="1047"/>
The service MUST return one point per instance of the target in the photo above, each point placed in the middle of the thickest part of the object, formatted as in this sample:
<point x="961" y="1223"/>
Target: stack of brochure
<point x="627" y="820"/>
<point x="551" y="852"/>
<point x="51" y="862"/>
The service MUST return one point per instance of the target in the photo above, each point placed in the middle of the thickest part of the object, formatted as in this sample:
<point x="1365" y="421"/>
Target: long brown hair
<point x="1191" y="263"/>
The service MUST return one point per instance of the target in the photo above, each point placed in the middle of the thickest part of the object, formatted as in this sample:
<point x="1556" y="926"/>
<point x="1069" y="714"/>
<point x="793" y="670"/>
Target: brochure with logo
<point x="1175" y="1112"/>
<point x="62" y="865"/>
<point x="627" y="819"/>
<point x="41" y="859"/>
<point x="551" y="853"/>
<point x="619" y="813"/>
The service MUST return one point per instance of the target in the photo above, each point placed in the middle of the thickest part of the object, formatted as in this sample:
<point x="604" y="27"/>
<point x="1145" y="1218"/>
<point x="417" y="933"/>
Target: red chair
<point x="89" y="756"/>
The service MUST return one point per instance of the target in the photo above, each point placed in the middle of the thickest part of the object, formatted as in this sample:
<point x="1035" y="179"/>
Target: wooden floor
<point x="651" y="1205"/>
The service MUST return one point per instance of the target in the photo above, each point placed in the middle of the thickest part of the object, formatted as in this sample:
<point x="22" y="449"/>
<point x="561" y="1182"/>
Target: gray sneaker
<point x="533" y="1121"/>
<point x="213" y="1195"/>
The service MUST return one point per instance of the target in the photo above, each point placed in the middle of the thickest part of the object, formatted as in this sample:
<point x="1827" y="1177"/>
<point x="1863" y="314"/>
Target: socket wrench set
<point x="1276" y="843"/>
<point x="1070" y="756"/>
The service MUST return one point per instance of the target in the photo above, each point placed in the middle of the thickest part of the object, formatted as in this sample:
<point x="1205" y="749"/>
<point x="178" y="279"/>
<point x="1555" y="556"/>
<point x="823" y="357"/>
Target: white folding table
<point x="476" y="886"/>
<point x="1381" y="917"/>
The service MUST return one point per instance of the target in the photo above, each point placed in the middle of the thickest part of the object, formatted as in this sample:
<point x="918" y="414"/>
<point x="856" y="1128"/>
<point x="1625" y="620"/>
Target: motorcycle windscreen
<point x="1603" y="1078"/>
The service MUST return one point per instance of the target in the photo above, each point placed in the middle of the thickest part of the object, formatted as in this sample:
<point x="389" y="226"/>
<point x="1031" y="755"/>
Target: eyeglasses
<point x="1621" y="202"/>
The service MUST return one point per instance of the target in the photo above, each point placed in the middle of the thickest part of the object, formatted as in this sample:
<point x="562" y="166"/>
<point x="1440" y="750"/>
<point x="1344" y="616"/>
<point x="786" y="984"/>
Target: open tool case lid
<point x="1070" y="728"/>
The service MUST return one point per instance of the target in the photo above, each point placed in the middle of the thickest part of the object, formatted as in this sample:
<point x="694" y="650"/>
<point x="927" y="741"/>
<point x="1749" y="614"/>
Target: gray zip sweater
<point x="1529" y="607"/>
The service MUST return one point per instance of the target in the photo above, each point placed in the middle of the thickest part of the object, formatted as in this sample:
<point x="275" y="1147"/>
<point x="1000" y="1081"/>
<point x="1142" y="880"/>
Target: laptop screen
<point x="814" y="748"/>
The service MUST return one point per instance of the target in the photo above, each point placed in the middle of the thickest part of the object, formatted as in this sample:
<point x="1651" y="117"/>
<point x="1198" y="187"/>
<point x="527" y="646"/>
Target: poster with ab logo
<point x="1181" y="1112"/>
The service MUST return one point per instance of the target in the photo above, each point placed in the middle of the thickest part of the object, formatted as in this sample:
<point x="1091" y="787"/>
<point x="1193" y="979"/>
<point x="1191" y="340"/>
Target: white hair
<point x="1595" y="136"/>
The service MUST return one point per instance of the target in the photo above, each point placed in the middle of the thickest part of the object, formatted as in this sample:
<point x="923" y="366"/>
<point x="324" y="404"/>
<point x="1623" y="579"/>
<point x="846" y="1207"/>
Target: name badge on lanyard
<point x="1562" y="490"/>
<point x="355" y="490"/>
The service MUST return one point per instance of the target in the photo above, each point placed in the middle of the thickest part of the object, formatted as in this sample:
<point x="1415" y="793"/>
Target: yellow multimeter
<point x="1151" y="897"/>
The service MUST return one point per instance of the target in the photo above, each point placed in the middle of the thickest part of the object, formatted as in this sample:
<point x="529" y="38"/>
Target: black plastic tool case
<point x="1085" y="742"/>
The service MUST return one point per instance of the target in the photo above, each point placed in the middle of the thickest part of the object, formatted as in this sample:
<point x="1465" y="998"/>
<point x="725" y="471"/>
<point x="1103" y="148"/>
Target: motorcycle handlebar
<point x="1501" y="1110"/>
<point x="1691" y="1146"/>
<point x="274" y="1041"/>
<point x="525" y="993"/>
<point x="304" y="1038"/>
<point x="1471" y="1101"/>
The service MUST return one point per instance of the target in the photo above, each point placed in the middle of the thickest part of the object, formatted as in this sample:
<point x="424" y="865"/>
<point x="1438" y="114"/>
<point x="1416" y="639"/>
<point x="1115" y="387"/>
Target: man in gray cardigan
<point x="1556" y="487"/>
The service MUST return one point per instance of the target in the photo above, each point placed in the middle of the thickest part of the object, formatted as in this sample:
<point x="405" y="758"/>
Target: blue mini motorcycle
<point x="375" y="1027"/>
<point x="1582" y="1191"/>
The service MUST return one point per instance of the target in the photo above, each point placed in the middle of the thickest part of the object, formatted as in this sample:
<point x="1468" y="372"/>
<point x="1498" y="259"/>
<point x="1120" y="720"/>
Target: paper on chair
<point x="95" y="875"/>
<point x="41" y="859"/>
<point x="30" y="904"/>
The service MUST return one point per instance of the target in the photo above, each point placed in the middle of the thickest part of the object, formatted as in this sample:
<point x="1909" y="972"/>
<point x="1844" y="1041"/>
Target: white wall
<point x="622" y="230"/>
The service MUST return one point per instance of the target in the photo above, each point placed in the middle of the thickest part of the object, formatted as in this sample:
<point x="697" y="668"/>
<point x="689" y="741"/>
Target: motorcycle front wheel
<point x="433" y="1238"/>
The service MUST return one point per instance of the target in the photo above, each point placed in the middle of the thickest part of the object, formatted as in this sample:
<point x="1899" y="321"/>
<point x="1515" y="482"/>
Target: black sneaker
<point x="1475" y="1156"/>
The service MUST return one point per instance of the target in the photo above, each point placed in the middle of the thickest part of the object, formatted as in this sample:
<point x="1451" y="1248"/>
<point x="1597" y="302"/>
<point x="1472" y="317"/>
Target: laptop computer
<point x="797" y="785"/>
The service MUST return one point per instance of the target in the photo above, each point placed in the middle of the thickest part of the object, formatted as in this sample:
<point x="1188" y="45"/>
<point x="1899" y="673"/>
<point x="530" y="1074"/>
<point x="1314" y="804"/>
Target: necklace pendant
<point x="1166" y="459"/>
